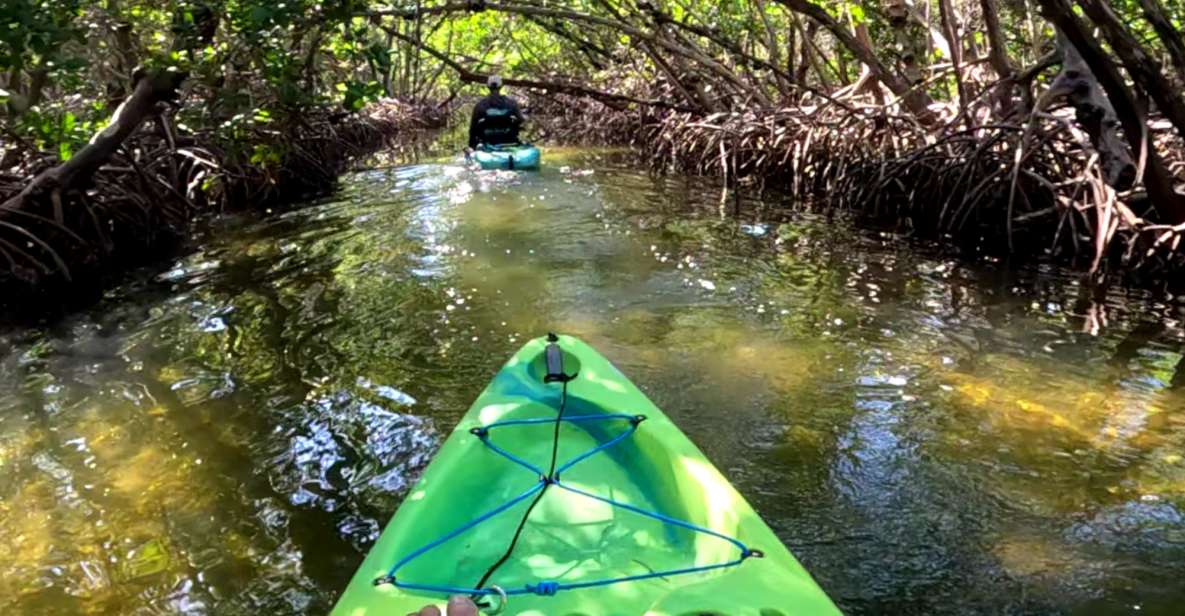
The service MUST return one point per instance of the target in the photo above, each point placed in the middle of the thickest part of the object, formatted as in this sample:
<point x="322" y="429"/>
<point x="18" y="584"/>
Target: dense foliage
<point x="67" y="63"/>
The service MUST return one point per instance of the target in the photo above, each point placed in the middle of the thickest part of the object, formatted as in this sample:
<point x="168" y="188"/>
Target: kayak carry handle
<point x="555" y="362"/>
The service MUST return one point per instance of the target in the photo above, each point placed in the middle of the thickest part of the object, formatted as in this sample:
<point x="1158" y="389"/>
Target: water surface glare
<point x="229" y="436"/>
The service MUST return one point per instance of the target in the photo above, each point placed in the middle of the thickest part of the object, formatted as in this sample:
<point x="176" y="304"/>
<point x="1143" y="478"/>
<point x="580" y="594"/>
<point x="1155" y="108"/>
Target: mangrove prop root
<point x="1038" y="187"/>
<point x="143" y="191"/>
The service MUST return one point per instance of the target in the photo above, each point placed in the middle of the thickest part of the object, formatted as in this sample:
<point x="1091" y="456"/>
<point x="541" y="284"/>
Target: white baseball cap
<point x="495" y="81"/>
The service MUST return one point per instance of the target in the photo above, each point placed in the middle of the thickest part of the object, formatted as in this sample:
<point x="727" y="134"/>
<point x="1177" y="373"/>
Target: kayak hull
<point x="579" y="534"/>
<point x="522" y="156"/>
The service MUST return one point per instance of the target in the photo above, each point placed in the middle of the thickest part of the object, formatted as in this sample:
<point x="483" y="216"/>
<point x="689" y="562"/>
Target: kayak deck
<point x="635" y="520"/>
<point x="574" y="523"/>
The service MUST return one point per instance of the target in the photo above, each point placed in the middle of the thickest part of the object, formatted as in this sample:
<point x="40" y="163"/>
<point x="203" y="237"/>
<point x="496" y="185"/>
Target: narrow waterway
<point x="229" y="435"/>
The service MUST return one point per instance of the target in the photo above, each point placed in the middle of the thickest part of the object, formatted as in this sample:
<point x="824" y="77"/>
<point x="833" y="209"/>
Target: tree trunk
<point x="1078" y="84"/>
<point x="950" y="25"/>
<point x="1034" y="31"/>
<point x="1168" y="203"/>
<point x="841" y="68"/>
<point x="387" y="88"/>
<point x="415" y="70"/>
<point x="124" y="58"/>
<point x="771" y="46"/>
<point x="915" y="100"/>
<point x="21" y="99"/>
<point x="867" y="79"/>
<point x="37" y="79"/>
<point x="998" y="56"/>
<point x="405" y="69"/>
<point x="14" y="79"/>
<point x="1143" y="68"/>
<point x="310" y="61"/>
<point x="791" y="49"/>
<point x="808" y="61"/>
<point x="1169" y="35"/>
<point x="141" y="105"/>
<point x="675" y="79"/>
<point x="909" y="46"/>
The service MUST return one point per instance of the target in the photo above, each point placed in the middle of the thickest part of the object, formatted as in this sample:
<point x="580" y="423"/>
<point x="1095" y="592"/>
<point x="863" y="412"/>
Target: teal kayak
<point x="565" y="491"/>
<point x="514" y="156"/>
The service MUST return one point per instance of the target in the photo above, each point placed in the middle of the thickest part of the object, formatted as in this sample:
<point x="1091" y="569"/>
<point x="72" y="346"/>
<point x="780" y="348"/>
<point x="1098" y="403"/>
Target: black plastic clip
<point x="386" y="579"/>
<point x="753" y="553"/>
<point x="637" y="419"/>
<point x="480" y="432"/>
<point x="555" y="361"/>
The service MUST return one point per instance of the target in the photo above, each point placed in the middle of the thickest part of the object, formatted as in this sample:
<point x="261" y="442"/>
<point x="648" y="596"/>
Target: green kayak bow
<point x="565" y="491"/>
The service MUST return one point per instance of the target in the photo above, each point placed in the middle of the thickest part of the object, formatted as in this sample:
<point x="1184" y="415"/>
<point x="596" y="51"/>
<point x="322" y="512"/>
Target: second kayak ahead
<point x="512" y="156"/>
<point x="564" y="490"/>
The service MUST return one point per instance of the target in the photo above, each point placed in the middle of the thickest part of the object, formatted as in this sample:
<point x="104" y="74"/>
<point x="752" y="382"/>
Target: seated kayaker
<point x="496" y="118"/>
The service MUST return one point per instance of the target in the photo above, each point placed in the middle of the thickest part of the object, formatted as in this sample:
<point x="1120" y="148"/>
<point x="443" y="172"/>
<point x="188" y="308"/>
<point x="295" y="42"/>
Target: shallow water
<point x="928" y="436"/>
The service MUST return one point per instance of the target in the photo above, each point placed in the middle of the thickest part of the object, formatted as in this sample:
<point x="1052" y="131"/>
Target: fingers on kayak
<point x="457" y="606"/>
<point x="461" y="606"/>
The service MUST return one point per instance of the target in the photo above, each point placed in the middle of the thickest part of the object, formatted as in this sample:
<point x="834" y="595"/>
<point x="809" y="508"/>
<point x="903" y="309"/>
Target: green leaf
<point x="260" y="14"/>
<point x="148" y="559"/>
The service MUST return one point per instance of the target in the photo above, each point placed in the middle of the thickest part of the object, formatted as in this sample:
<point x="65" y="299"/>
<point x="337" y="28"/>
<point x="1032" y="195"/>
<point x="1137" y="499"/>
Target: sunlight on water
<point x="230" y="435"/>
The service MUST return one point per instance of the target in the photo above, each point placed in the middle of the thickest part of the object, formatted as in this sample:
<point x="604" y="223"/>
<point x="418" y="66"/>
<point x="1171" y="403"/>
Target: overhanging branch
<point x="611" y="99"/>
<point x="634" y="32"/>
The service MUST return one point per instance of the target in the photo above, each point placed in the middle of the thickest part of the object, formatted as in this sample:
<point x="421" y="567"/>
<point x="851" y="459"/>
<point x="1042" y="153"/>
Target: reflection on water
<point x="929" y="437"/>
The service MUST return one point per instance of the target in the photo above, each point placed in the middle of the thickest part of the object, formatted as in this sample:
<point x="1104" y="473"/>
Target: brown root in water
<point x="1007" y="186"/>
<point x="147" y="192"/>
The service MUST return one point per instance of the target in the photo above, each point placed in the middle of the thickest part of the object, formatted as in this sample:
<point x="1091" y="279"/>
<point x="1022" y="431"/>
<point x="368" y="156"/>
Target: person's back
<point x="496" y="118"/>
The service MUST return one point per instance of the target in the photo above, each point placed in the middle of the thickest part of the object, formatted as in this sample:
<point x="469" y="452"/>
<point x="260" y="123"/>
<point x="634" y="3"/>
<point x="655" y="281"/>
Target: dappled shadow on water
<point x="926" y="434"/>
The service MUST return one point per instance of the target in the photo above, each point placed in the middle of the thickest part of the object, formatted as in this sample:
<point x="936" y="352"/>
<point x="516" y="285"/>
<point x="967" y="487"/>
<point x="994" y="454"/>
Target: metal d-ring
<point x="502" y="600"/>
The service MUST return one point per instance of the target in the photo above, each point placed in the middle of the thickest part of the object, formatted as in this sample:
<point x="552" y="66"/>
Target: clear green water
<point x="927" y="436"/>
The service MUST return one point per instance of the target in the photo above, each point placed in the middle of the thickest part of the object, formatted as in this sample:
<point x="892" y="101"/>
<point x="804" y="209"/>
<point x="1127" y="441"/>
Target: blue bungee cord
<point x="551" y="477"/>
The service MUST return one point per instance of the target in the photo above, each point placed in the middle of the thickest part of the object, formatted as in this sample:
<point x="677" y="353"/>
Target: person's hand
<point x="457" y="606"/>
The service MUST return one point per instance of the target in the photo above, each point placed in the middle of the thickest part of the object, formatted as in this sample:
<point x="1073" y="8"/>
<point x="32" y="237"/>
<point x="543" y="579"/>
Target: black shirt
<point x="496" y="120"/>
